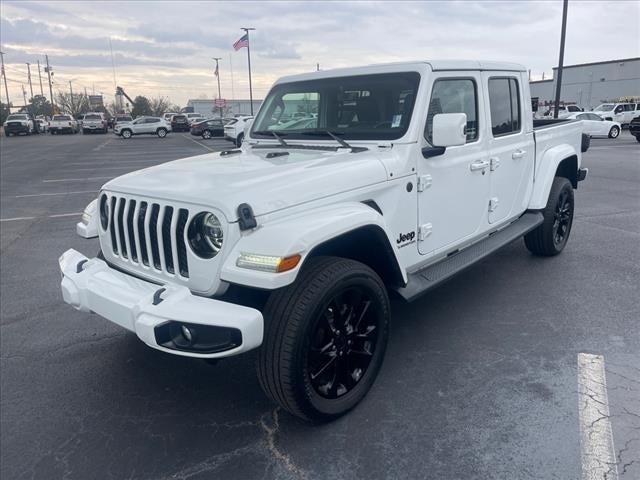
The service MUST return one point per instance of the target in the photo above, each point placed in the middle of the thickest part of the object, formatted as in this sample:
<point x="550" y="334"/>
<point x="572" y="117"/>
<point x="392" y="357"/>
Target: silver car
<point x="143" y="126"/>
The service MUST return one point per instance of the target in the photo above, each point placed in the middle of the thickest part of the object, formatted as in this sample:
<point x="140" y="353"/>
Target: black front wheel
<point x="206" y="134"/>
<point x="552" y="235"/>
<point x="325" y="338"/>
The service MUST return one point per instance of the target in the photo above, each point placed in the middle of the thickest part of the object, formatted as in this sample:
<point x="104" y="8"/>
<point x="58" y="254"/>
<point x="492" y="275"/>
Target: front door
<point x="511" y="147"/>
<point x="453" y="186"/>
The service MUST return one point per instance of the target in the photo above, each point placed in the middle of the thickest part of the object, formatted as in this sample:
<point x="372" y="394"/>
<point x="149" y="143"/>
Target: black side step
<point x="433" y="275"/>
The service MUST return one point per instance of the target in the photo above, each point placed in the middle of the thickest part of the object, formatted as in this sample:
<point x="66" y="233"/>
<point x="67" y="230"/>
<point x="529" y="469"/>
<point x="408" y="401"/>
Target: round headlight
<point x="205" y="235"/>
<point x="104" y="212"/>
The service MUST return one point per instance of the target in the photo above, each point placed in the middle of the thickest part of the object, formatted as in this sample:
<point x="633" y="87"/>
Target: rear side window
<point x="454" y="95"/>
<point x="504" y="103"/>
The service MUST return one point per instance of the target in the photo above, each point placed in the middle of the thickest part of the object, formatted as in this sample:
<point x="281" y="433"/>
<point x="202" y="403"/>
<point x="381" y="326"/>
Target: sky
<point x="165" y="48"/>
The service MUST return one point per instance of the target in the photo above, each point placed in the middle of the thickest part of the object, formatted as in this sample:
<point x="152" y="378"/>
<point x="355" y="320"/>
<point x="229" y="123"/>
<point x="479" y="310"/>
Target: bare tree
<point x="159" y="105"/>
<point x="75" y="105"/>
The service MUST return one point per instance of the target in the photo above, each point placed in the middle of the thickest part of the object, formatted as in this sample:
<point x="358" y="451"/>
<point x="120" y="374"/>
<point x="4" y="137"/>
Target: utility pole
<point x="29" y="77"/>
<point x="4" y="75"/>
<point x="48" y="70"/>
<point x="217" y="73"/>
<point x="24" y="95"/>
<point x="246" y="30"/>
<point x="565" y="6"/>
<point x="40" y="77"/>
<point x="317" y="67"/>
<point x="72" y="104"/>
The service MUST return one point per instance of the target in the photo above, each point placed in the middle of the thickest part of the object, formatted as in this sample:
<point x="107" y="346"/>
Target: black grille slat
<point x="153" y="226"/>
<point x="143" y="237"/>
<point x="183" y="265"/>
<point x="166" y="239"/>
<point x="153" y="235"/>
<point x="132" y="241"/>
<point x="120" y="220"/>
<point x="114" y="243"/>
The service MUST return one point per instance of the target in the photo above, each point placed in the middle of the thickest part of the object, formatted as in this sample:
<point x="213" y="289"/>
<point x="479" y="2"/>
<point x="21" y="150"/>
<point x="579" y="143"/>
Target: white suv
<point x="234" y="130"/>
<point x="622" y="113"/>
<point x="143" y="126"/>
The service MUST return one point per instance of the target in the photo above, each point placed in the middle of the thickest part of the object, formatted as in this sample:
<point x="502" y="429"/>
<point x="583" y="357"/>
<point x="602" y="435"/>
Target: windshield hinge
<point x="424" y="182"/>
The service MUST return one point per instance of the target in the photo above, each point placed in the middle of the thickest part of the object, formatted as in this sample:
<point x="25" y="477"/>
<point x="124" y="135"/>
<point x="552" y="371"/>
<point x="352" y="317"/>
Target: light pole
<point x="217" y="72"/>
<point x="246" y="31"/>
<point x="561" y="59"/>
<point x="48" y="70"/>
<point x="29" y="76"/>
<point x="40" y="77"/>
<point x="4" y="75"/>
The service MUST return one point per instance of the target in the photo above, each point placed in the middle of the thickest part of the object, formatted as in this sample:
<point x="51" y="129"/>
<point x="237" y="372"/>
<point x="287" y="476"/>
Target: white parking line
<point x="47" y="216"/>
<point x="596" y="437"/>
<point x="74" y="179"/>
<point x="201" y="144"/>
<point x="53" y="194"/>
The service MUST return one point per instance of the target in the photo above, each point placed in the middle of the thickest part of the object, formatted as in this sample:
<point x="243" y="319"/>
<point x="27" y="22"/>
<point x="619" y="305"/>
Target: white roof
<point x="435" y="65"/>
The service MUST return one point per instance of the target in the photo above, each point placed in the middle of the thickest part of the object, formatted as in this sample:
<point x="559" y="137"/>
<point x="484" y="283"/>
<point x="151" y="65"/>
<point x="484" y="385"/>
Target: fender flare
<point x="299" y="234"/>
<point x="546" y="172"/>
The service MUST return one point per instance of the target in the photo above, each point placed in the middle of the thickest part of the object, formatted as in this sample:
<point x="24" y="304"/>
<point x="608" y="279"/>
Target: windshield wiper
<point x="335" y="136"/>
<point x="273" y="134"/>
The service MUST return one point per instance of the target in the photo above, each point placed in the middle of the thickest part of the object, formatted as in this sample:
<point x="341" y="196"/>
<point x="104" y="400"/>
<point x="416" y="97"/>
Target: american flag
<point x="216" y="70"/>
<point x="243" y="42"/>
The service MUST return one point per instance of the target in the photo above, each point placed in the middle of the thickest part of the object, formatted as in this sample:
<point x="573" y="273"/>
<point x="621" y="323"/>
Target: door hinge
<point x="495" y="163"/>
<point x="424" y="231"/>
<point x="493" y="204"/>
<point x="424" y="182"/>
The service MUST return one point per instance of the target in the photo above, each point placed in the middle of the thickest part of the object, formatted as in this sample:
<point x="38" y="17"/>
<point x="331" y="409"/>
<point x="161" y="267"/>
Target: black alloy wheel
<point x="343" y="342"/>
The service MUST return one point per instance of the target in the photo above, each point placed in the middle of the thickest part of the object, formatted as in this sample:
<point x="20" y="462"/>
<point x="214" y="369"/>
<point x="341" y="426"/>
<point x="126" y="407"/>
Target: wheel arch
<point x="350" y="230"/>
<point x="563" y="161"/>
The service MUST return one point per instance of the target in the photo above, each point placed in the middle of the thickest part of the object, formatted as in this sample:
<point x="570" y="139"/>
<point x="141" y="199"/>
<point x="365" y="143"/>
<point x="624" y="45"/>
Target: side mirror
<point x="449" y="129"/>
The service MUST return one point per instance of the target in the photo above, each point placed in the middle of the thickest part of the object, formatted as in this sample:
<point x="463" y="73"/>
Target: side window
<point x="454" y="96"/>
<point x="582" y="116"/>
<point x="594" y="117"/>
<point x="504" y="103"/>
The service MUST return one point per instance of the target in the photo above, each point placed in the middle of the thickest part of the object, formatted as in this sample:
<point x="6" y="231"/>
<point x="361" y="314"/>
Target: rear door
<point x="511" y="146"/>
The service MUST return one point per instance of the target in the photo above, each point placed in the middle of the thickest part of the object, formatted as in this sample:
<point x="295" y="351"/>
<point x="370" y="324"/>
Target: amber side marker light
<point x="268" y="263"/>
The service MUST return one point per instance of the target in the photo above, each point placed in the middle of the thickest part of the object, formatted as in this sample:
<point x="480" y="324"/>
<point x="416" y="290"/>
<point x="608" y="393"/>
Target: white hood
<point x="267" y="184"/>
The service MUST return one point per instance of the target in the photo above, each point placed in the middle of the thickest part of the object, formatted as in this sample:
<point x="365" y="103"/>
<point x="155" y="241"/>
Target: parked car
<point x="167" y="116"/>
<point x="42" y="125"/>
<point x="143" y="126"/>
<point x="563" y="111"/>
<point x="194" y="117"/>
<point x="63" y="124"/>
<point x="213" y="127"/>
<point x="18" y="123"/>
<point x="596" y="126"/>
<point x="293" y="242"/>
<point x="122" y="119"/>
<point x="618" y="112"/>
<point x="94" y="122"/>
<point x="234" y="130"/>
<point x="634" y="128"/>
<point x="180" y="123"/>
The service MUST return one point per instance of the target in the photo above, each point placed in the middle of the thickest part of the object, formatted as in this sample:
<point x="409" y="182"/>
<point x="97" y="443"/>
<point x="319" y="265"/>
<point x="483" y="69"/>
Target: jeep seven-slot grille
<point x="149" y="234"/>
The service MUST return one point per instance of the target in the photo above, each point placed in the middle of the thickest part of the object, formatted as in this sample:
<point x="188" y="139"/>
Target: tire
<point x="297" y="317"/>
<point x="550" y="238"/>
<point x="614" y="132"/>
<point x="206" y="134"/>
<point x="239" y="139"/>
<point x="161" y="132"/>
<point x="126" y="133"/>
<point x="638" y="138"/>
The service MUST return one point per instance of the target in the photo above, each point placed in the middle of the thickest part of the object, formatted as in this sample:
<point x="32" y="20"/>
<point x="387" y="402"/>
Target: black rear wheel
<point x="552" y="235"/>
<point x="325" y="338"/>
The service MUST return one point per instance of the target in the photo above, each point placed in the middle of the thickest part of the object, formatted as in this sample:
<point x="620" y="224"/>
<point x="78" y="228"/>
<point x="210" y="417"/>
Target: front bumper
<point x="16" y="128"/>
<point x="91" y="285"/>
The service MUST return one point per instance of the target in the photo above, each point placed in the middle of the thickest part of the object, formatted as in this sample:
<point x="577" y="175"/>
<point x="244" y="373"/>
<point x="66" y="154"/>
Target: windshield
<point x="61" y="118"/>
<point x="365" y="107"/>
<point x="605" y="107"/>
<point x="17" y="117"/>
<point x="92" y="117"/>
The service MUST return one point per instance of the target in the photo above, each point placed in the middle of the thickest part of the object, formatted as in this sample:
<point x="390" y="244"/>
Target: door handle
<point x="518" y="154"/>
<point x="479" y="165"/>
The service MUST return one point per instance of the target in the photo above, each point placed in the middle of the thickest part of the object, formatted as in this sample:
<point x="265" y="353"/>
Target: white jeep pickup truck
<point x="291" y="244"/>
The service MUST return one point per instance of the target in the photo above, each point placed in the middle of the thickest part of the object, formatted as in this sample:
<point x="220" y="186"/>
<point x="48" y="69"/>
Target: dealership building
<point x="590" y="84"/>
<point x="207" y="108"/>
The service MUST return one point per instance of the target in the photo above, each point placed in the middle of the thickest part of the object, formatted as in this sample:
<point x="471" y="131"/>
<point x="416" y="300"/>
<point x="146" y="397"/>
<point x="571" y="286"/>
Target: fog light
<point x="186" y="333"/>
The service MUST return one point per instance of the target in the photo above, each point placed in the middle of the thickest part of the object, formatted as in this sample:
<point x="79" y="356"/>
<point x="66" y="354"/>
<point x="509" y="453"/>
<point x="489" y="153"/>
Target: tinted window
<point x="92" y="117"/>
<point x="152" y="120"/>
<point x="61" y="118"/>
<point x="179" y="118"/>
<point x="628" y="107"/>
<point x="504" y="103"/>
<point x="583" y="116"/>
<point x="454" y="96"/>
<point x="593" y="116"/>
<point x="358" y="107"/>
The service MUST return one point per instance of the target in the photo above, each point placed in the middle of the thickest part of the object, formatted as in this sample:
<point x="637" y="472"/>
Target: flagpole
<point x="249" y="62"/>
<point x="218" y="75"/>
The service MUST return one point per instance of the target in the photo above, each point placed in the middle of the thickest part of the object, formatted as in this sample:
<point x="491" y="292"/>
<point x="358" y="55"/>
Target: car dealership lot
<point x="486" y="387"/>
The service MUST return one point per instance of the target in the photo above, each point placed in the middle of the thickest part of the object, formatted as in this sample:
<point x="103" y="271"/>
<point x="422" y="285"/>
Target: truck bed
<point x="539" y="123"/>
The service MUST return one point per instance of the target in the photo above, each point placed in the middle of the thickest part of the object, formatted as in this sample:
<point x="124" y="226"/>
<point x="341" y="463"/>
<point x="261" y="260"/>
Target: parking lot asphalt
<point x="480" y="379"/>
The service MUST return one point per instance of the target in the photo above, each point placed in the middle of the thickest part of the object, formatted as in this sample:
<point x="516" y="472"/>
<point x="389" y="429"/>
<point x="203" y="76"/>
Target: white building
<point x="207" y="108"/>
<point x="590" y="84"/>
